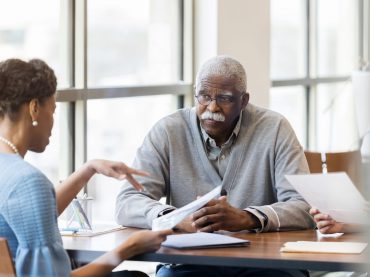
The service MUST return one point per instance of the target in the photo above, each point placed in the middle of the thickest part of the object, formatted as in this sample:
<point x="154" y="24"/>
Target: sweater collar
<point x="210" y="142"/>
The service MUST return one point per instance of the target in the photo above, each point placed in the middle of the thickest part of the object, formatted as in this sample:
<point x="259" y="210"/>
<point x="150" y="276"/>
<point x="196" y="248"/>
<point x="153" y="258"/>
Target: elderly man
<point x="222" y="141"/>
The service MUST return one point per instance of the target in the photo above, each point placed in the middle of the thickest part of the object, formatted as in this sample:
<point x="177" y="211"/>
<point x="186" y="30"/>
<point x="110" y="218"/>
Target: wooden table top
<point x="264" y="251"/>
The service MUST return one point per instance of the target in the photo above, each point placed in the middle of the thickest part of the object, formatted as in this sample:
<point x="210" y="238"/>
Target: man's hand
<point x="220" y="215"/>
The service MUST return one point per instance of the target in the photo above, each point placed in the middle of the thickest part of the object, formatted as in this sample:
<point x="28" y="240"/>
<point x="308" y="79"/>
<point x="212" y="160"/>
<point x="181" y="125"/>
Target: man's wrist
<point x="165" y="211"/>
<point x="253" y="221"/>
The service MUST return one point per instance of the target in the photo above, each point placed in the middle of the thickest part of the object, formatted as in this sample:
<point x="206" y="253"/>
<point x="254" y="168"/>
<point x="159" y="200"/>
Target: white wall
<point x="240" y="28"/>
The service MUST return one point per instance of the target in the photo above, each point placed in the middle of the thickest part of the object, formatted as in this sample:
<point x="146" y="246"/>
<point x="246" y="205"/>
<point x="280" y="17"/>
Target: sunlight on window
<point x="116" y="128"/>
<point x="30" y="29"/>
<point x="133" y="42"/>
<point x="290" y="102"/>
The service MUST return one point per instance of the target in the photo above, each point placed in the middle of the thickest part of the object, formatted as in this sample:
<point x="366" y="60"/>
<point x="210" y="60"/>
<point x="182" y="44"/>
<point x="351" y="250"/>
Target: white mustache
<point x="213" y="116"/>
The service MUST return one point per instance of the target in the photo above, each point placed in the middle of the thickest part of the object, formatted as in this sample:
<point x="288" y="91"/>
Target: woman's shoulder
<point x="18" y="174"/>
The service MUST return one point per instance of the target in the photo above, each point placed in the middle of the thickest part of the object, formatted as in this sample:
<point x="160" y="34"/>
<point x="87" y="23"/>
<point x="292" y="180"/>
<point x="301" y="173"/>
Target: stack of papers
<point x="324" y="247"/>
<point x="203" y="240"/>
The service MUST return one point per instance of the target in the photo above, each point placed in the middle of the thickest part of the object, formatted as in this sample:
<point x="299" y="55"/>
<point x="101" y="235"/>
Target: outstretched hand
<point x="144" y="241"/>
<point x="118" y="170"/>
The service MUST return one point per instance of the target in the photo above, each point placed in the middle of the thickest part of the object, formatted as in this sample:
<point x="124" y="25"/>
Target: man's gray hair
<point x="225" y="66"/>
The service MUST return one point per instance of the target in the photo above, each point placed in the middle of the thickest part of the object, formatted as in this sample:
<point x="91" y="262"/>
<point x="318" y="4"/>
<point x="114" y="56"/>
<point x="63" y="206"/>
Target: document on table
<point x="96" y="230"/>
<point x="333" y="194"/>
<point x="203" y="240"/>
<point x="324" y="247"/>
<point x="170" y="220"/>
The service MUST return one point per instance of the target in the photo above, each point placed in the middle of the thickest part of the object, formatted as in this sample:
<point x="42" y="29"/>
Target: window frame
<point x="74" y="115"/>
<point x="311" y="81"/>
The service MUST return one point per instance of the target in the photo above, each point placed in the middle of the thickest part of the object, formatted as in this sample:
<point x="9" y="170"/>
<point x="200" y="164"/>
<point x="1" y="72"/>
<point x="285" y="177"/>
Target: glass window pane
<point x="336" y="128"/>
<point x="337" y="37"/>
<point x="291" y="102"/>
<point x="48" y="161"/>
<point x="31" y="29"/>
<point x="133" y="42"/>
<point x="116" y="128"/>
<point x="288" y="39"/>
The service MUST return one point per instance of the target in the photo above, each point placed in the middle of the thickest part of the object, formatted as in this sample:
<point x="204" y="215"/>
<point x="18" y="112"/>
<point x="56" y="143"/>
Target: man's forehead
<point x="218" y="82"/>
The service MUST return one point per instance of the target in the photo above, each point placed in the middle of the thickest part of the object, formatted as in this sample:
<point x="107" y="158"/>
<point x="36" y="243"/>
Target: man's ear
<point x="245" y="99"/>
<point x="34" y="107"/>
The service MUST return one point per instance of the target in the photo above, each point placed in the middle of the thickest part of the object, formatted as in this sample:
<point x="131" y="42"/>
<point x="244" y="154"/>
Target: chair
<point x="6" y="262"/>
<point x="349" y="162"/>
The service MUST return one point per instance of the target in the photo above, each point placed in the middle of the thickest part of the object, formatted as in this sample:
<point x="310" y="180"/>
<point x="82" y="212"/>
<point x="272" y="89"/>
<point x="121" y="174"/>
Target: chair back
<point x="349" y="162"/>
<point x="6" y="262"/>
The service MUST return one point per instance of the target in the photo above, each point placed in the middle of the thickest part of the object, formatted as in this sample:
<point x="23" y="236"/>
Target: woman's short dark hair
<point x="21" y="81"/>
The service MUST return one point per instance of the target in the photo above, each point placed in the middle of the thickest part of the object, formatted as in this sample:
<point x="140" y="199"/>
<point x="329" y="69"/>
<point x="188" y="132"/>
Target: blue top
<point x="28" y="219"/>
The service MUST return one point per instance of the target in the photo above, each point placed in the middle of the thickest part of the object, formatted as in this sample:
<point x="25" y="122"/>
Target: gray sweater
<point x="173" y="152"/>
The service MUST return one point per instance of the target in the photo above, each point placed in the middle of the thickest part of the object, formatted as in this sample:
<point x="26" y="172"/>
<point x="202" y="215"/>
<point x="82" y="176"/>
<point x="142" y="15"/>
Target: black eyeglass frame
<point x="221" y="99"/>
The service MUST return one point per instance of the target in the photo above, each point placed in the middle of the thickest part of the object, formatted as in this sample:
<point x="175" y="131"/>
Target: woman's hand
<point x="117" y="170"/>
<point x="325" y="223"/>
<point x="67" y="190"/>
<point x="143" y="241"/>
<point x="137" y="243"/>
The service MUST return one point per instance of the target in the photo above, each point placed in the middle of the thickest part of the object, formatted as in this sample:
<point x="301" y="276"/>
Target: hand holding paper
<point x="333" y="194"/>
<point x="171" y="219"/>
<point x="219" y="214"/>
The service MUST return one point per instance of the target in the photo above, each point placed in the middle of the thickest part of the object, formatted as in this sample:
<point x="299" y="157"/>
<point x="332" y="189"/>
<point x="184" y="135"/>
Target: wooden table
<point x="264" y="251"/>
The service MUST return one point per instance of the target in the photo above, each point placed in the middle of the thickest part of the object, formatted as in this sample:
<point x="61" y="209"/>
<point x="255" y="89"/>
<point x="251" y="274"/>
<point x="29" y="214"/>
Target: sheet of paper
<point x="333" y="194"/>
<point x="170" y="220"/>
<point x="202" y="240"/>
<point x="324" y="247"/>
<point x="333" y="235"/>
<point x="96" y="230"/>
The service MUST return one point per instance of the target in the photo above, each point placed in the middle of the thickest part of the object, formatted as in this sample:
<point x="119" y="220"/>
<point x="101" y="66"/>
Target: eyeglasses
<point x="221" y="99"/>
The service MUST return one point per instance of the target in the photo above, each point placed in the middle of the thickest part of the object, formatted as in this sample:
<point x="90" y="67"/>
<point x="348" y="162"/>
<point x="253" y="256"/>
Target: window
<point x="48" y="161"/>
<point x="135" y="47"/>
<point x="27" y="35"/>
<point x="118" y="128"/>
<point x="337" y="129"/>
<point x="337" y="38"/>
<point x="291" y="102"/>
<point x="315" y="45"/>
<point x="120" y="68"/>
<point x="133" y="42"/>
<point x="288" y="39"/>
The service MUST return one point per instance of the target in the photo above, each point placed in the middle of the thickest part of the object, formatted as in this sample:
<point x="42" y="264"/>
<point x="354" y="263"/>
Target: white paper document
<point x="324" y="247"/>
<point x="333" y="194"/>
<point x="98" y="229"/>
<point x="202" y="240"/>
<point x="171" y="219"/>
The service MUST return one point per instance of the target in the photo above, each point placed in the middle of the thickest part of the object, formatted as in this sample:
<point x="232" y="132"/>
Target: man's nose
<point x="212" y="106"/>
